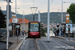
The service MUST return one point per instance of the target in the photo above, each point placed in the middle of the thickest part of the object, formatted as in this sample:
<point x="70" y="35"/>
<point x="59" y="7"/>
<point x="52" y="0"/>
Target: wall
<point x="25" y="26"/>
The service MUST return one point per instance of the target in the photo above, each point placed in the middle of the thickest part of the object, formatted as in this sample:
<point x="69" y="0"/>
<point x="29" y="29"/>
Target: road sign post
<point x="14" y="20"/>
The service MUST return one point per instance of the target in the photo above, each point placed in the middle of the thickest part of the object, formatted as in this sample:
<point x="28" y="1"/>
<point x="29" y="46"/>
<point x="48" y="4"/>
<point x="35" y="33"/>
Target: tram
<point x="34" y="29"/>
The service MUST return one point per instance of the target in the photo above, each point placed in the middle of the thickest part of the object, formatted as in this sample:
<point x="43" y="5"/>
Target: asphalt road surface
<point x="28" y="44"/>
<point x="54" y="44"/>
<point x="2" y="46"/>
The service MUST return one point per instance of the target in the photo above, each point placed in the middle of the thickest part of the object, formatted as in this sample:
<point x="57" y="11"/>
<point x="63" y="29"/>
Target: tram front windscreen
<point x="34" y="27"/>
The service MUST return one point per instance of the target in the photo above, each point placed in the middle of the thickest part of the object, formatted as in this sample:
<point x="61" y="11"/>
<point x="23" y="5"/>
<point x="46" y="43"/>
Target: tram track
<point x="31" y="43"/>
<point x="36" y="45"/>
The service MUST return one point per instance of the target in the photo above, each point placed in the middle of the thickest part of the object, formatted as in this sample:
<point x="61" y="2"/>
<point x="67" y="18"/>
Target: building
<point x="23" y="23"/>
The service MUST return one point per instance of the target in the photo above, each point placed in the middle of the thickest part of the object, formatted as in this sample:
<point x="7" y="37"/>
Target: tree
<point x="2" y="20"/>
<point x="43" y="29"/>
<point x="71" y="11"/>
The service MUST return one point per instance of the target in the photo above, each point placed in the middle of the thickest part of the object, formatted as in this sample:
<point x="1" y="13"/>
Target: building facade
<point x="22" y="23"/>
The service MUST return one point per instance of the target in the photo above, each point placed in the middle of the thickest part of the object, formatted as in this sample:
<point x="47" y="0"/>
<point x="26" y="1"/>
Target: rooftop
<point x="20" y="20"/>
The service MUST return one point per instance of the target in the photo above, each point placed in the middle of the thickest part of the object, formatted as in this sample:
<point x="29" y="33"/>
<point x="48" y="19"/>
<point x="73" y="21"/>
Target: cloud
<point x="29" y="3"/>
<point x="3" y="5"/>
<point x="42" y="5"/>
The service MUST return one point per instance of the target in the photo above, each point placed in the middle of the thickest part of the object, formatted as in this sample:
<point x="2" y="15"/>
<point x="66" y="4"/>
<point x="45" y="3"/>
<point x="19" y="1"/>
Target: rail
<point x="35" y="44"/>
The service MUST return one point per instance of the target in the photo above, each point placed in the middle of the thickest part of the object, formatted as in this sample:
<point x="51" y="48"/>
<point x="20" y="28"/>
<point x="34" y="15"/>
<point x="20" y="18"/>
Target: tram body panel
<point x="34" y="30"/>
<point x="34" y="33"/>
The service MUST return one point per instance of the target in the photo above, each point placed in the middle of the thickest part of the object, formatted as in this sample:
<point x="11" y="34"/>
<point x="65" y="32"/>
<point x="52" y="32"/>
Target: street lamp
<point x="33" y="9"/>
<point x="62" y="10"/>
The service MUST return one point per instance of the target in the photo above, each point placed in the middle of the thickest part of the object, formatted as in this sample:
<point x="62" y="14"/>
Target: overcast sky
<point x="24" y="5"/>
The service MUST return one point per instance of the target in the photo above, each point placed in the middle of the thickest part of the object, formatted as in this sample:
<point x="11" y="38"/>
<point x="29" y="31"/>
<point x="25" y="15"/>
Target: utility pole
<point x="48" y="28"/>
<point x="39" y="16"/>
<point x="24" y="20"/>
<point x="15" y="15"/>
<point x="62" y="12"/>
<point x="15" y="6"/>
<point x="7" y="23"/>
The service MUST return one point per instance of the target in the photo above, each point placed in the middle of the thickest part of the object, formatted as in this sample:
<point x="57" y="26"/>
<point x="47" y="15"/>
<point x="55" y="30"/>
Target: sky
<point x="24" y="5"/>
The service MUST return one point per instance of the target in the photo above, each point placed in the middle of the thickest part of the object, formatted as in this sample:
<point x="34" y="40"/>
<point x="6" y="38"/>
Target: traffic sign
<point x="13" y="15"/>
<point x="67" y="18"/>
<point x="14" y="20"/>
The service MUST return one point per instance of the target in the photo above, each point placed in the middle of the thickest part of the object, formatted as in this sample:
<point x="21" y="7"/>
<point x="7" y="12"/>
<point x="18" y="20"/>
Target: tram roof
<point x="34" y="21"/>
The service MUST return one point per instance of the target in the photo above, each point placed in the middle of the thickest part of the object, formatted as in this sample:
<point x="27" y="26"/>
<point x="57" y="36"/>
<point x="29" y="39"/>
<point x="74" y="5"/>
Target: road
<point x="54" y="44"/>
<point x="28" y="44"/>
<point x="2" y="46"/>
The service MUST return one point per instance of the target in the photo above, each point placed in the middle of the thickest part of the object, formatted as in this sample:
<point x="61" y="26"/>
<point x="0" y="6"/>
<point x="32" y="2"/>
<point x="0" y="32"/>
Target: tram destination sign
<point x="33" y="23"/>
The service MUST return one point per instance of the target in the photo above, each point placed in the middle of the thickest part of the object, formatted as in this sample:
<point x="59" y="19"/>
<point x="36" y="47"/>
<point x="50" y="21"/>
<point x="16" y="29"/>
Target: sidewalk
<point x="15" y="42"/>
<point x="51" y="34"/>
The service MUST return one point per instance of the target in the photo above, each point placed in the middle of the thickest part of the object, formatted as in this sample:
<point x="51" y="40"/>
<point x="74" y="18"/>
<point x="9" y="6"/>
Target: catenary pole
<point x="48" y="28"/>
<point x="7" y="23"/>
